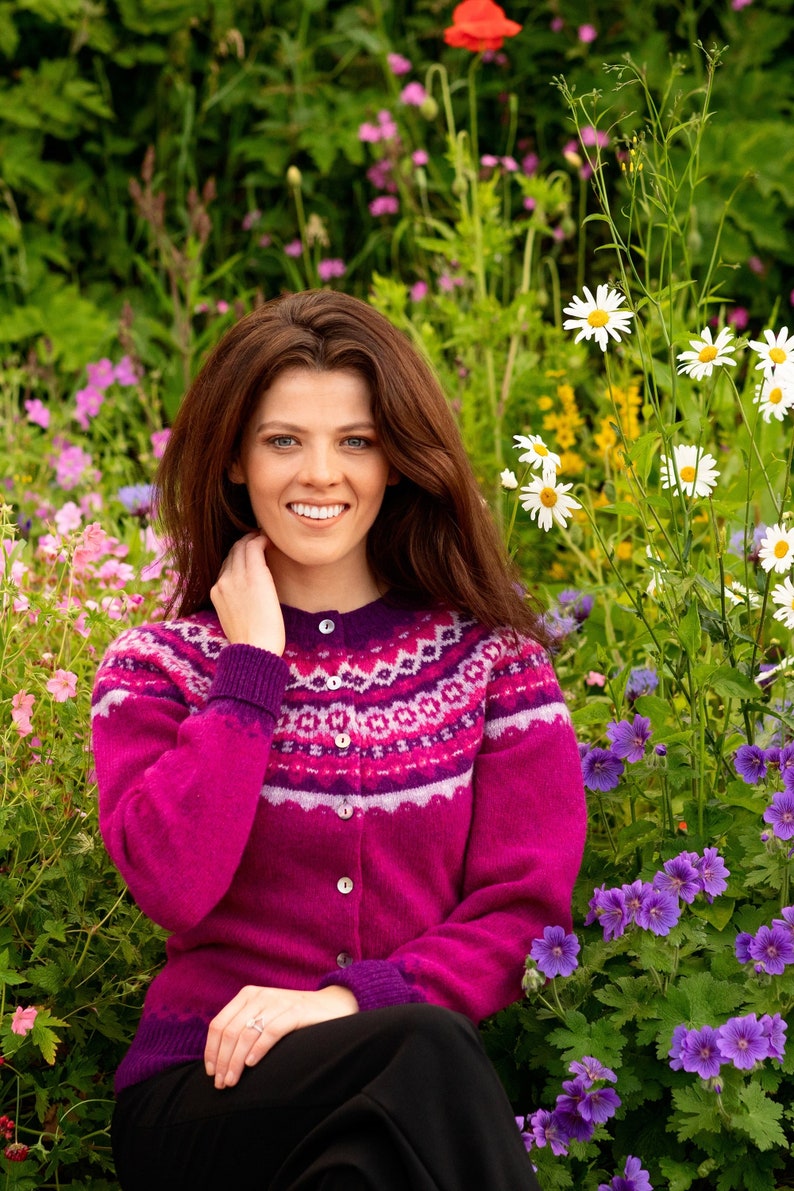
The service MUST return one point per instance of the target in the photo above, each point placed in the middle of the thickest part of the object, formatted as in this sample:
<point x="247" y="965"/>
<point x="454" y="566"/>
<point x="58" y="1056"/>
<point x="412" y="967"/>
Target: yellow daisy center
<point x="548" y="497"/>
<point x="687" y="474"/>
<point x="540" y="449"/>
<point x="707" y="354"/>
<point x="777" y="355"/>
<point x="775" y="396"/>
<point x="781" y="549"/>
<point x="598" y="318"/>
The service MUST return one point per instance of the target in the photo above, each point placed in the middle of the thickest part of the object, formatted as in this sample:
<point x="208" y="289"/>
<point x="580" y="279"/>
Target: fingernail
<point x="210" y="1068"/>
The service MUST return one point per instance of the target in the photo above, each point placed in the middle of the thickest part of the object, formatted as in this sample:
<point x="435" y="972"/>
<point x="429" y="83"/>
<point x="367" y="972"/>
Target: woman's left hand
<point x="253" y="1021"/>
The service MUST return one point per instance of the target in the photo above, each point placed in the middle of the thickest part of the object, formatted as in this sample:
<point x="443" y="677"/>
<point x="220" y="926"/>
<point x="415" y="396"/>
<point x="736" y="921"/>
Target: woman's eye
<point x="282" y="440"/>
<point x="357" y="442"/>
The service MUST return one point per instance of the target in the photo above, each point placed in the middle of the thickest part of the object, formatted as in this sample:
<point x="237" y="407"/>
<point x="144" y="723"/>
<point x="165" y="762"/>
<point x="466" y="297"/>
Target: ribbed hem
<point x="250" y="675"/>
<point x="375" y="983"/>
<point x="161" y="1042"/>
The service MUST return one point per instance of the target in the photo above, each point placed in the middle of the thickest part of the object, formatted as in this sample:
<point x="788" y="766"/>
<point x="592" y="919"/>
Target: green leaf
<point x="731" y="683"/>
<point x="581" y="1037"/>
<point x="761" y="1122"/>
<point x="699" y="1109"/>
<point x="8" y="974"/>
<point x="741" y="794"/>
<point x="689" y="631"/>
<point x="653" y="708"/>
<point x="595" y="711"/>
<point x="719" y="913"/>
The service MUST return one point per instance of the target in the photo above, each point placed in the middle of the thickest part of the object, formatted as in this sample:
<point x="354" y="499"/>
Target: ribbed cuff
<point x="375" y="983"/>
<point x="248" y="674"/>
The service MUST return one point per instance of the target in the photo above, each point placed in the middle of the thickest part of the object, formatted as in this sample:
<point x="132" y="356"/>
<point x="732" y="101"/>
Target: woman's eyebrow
<point x="291" y="428"/>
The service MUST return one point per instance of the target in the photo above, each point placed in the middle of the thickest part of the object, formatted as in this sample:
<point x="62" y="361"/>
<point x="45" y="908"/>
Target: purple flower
<point x="555" y="954"/>
<point x="37" y="412"/>
<point x="124" y="373"/>
<point x="330" y="267"/>
<point x="599" y="1105"/>
<point x="781" y="814"/>
<point x="680" y="877"/>
<point x="634" y="1178"/>
<point x="384" y="204"/>
<point x="786" y="763"/>
<point x="579" y="603"/>
<point x="641" y="681"/>
<point x="750" y="763"/>
<point x="100" y="375"/>
<point x="573" y="1126"/>
<point x="700" y="1052"/>
<point x="601" y="769"/>
<point x="712" y="872"/>
<point x="628" y="739"/>
<point x="137" y="498"/>
<point x="773" y="948"/>
<point x="592" y="1070"/>
<point x="742" y="947"/>
<point x="743" y="1042"/>
<point x="775" y="1033"/>
<point x="660" y="750"/>
<point x="611" y="913"/>
<point x="680" y="1035"/>
<point x="787" y="921"/>
<point x="547" y="1131"/>
<point x="634" y="896"/>
<point x="659" y="913"/>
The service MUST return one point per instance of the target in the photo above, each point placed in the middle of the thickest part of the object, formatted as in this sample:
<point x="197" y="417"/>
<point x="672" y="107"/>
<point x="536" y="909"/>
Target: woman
<point x="343" y="777"/>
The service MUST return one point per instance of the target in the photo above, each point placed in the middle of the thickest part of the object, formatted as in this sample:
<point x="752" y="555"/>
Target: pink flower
<point x="21" y="711"/>
<point x="158" y="440"/>
<point x="529" y="203"/>
<point x="62" y="685"/>
<point x="593" y="136"/>
<point x="294" y="248"/>
<point x="384" y="204"/>
<point x="23" y="1019"/>
<point x="250" y="219"/>
<point x="557" y="24"/>
<point x="421" y="157"/>
<point x="38" y="413"/>
<point x="222" y="307"/>
<point x="736" y="5"/>
<point x="369" y="133"/>
<point x="101" y="374"/>
<point x="398" y="65"/>
<point x="414" y="95"/>
<point x="388" y="128"/>
<point x="488" y="161"/>
<point x="124" y="373"/>
<point x="331" y="267"/>
<point x="739" y="317"/>
<point x="418" y="291"/>
<point x="530" y="163"/>
<point x="265" y="241"/>
<point x="68" y="518"/>
<point x="587" y="34"/>
<point x="93" y="543"/>
<point x="595" y="679"/>
<point x="756" y="265"/>
<point x="88" y="401"/>
<point x="70" y="464"/>
<point x="510" y="165"/>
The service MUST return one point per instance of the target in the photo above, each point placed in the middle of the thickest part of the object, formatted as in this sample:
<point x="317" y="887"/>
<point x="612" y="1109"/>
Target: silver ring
<point x="254" y="1024"/>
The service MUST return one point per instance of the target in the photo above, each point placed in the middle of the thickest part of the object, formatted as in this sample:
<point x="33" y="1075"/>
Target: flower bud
<point x="532" y="980"/>
<point x="294" y="177"/>
<point x="428" y="108"/>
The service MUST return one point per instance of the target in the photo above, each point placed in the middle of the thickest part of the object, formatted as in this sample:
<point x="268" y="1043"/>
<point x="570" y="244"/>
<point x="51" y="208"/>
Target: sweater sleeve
<point x="524" y="850"/>
<point x="180" y="774"/>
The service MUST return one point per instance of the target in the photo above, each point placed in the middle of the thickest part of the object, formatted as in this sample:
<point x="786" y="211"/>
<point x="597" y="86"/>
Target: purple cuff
<point x="375" y="983"/>
<point x="246" y="674"/>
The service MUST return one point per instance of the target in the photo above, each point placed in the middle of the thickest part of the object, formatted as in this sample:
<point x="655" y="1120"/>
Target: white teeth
<point x="317" y="512"/>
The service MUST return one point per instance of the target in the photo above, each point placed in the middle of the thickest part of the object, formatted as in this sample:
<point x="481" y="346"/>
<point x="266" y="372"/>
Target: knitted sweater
<point x="395" y="806"/>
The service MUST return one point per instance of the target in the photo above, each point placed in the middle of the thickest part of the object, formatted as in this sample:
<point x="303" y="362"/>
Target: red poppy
<point x="479" y="25"/>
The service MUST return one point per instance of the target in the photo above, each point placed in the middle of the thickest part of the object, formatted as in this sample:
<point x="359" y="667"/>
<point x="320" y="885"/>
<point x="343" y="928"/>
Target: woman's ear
<point x="393" y="477"/>
<point x="235" y="473"/>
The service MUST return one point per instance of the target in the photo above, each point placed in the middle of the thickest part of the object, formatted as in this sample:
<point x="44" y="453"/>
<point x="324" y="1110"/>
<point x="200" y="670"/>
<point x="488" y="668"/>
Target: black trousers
<point x="398" y="1099"/>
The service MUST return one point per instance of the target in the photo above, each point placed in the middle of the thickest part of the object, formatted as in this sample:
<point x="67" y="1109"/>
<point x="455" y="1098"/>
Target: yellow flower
<point x="624" y="551"/>
<point x="606" y="438"/>
<point x="557" y="571"/>
<point x="545" y="402"/>
<point x="571" y="464"/>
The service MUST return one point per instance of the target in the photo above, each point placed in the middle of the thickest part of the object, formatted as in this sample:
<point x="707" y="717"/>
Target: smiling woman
<point x="344" y="777"/>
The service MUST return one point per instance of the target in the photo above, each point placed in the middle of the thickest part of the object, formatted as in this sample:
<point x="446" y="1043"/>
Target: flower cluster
<point x="771" y="948"/>
<point x="774" y="396"/>
<point x="751" y="763"/>
<point x="741" y="1041"/>
<point x="602" y="768"/>
<point x="6" y="1127"/>
<point x="570" y="612"/>
<point x="656" y="905"/>
<point x="543" y="498"/>
<point x="634" y="1178"/>
<point x="582" y="1105"/>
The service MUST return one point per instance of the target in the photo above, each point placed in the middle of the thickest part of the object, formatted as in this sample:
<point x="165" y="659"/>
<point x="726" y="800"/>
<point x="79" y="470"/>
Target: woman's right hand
<point x="245" y="597"/>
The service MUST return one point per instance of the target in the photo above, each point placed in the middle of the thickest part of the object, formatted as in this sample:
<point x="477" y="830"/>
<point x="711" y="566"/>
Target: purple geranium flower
<point x="743" y="1042"/>
<point x="781" y="814"/>
<point x="592" y="1070"/>
<point x="773" y="948"/>
<point x="659" y="913"/>
<point x="700" y="1052"/>
<point x="680" y="1035"/>
<point x="601" y="770"/>
<point x="634" y="896"/>
<point x="634" y="1178"/>
<point x="742" y="947"/>
<point x="786" y="763"/>
<point x="578" y="603"/>
<point x="547" y="1130"/>
<point x="787" y="921"/>
<point x="555" y="954"/>
<point x="712" y="872"/>
<point x="750" y="763"/>
<point x="641" y="681"/>
<point x="573" y="1126"/>
<point x="680" y="877"/>
<point x="608" y="907"/>
<point x="628" y="738"/>
<point x="599" y="1105"/>
<point x="775" y="1033"/>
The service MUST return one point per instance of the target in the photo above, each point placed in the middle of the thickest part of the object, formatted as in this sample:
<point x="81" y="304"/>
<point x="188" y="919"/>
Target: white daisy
<point x="778" y="349"/>
<point x="737" y="594"/>
<point x="775" y="396"/>
<point x="706" y="355"/>
<point x="696" y="471"/>
<point x="536" y="453"/>
<point x="783" y="596"/>
<point x="598" y="317"/>
<point x="548" y="501"/>
<point x="776" y="551"/>
<point x="508" y="478"/>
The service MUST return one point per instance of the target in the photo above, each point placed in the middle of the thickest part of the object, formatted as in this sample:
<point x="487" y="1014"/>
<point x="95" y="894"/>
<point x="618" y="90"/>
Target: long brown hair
<point x="433" y="540"/>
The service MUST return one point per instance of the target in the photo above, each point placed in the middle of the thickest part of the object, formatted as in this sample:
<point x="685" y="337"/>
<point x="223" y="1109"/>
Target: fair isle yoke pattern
<point x="395" y="806"/>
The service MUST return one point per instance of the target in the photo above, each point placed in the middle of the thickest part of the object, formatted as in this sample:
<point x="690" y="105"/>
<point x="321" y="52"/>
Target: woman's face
<point x="316" y="475"/>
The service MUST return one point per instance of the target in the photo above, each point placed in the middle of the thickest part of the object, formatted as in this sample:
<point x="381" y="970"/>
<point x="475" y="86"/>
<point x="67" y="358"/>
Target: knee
<point x="433" y="1028"/>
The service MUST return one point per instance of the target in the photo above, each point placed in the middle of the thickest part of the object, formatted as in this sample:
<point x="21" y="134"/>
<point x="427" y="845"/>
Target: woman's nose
<point x="319" y="466"/>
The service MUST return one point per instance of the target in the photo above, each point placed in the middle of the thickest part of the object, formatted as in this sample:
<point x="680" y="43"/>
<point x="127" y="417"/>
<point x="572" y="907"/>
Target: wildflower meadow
<point x="581" y="217"/>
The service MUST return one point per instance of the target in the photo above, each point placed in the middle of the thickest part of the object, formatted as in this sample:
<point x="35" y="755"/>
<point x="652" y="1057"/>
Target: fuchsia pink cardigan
<point x="396" y="806"/>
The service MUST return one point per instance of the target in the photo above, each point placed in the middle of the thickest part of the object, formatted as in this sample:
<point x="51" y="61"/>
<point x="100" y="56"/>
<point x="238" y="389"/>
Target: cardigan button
<point x="344" y="885"/>
<point x="326" y="626"/>
<point x="342" y="741"/>
<point x="345" y="810"/>
<point x="333" y="682"/>
<point x="344" y="960"/>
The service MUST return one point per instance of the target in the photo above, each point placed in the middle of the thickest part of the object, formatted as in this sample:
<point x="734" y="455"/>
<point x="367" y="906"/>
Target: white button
<point x="345" y="811"/>
<point x="342" y="741"/>
<point x="326" y="626"/>
<point x="344" y="885"/>
<point x="334" y="682"/>
<point x="344" y="960"/>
